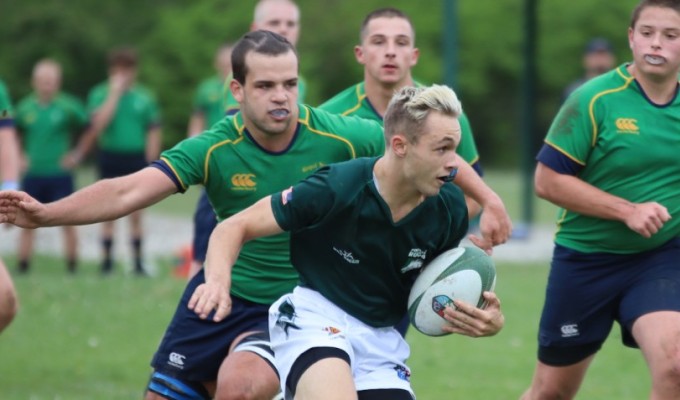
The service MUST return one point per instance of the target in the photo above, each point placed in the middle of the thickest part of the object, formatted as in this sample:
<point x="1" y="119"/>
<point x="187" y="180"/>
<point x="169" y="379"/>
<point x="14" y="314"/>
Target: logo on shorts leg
<point x="403" y="373"/>
<point x="176" y="360"/>
<point x="286" y="318"/>
<point x="569" y="330"/>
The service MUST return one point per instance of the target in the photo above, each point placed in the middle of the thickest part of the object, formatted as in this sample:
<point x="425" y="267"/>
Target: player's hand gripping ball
<point x="462" y="273"/>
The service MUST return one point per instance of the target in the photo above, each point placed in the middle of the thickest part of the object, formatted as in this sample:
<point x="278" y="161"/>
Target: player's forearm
<point x="9" y="156"/>
<point x="104" y="200"/>
<point x="474" y="187"/>
<point x="104" y="114"/>
<point x="224" y="246"/>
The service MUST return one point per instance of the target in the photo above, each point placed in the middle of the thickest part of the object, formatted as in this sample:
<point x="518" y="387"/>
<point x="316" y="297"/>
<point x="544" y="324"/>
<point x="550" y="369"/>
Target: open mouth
<point x="450" y="177"/>
<point x="279" y="114"/>
<point x="654" y="60"/>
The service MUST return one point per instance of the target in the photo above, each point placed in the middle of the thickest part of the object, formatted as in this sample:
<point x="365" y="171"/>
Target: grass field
<point x="88" y="337"/>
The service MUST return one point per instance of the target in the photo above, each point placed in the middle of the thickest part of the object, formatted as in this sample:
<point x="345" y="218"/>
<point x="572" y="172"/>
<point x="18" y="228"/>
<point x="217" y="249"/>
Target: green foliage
<point x="177" y="40"/>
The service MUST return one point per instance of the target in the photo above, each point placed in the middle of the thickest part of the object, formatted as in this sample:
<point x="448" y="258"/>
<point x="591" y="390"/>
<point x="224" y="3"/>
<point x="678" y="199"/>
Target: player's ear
<point x="414" y="57"/>
<point x="236" y="90"/>
<point x="399" y="145"/>
<point x="359" y="54"/>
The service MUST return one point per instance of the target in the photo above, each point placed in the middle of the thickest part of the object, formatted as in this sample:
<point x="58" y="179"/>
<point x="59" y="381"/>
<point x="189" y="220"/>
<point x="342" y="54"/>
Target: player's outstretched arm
<point x="104" y="200"/>
<point x="223" y="250"/>
<point x="469" y="320"/>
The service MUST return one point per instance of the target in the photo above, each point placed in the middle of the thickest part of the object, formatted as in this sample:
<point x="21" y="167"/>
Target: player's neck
<point x="395" y="190"/>
<point x="274" y="142"/>
<point x="659" y="89"/>
<point x="380" y="94"/>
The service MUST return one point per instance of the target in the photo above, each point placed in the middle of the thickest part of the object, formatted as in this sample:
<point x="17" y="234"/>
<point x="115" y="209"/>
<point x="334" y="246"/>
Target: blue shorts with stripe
<point x="205" y="221"/>
<point x="193" y="349"/>
<point x="587" y="292"/>
<point x="113" y="164"/>
<point x="47" y="189"/>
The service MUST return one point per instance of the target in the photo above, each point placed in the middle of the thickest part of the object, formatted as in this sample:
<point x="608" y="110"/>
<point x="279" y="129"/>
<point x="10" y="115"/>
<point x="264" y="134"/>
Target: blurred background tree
<point x="177" y="40"/>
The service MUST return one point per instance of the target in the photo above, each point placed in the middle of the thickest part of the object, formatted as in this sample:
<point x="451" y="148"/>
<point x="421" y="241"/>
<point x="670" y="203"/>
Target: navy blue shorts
<point x="193" y="349"/>
<point x="112" y="164"/>
<point x="587" y="292"/>
<point x="205" y="221"/>
<point x="46" y="189"/>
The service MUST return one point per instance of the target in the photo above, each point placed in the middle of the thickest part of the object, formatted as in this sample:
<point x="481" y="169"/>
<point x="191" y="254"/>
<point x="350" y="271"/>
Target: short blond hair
<point x="410" y="106"/>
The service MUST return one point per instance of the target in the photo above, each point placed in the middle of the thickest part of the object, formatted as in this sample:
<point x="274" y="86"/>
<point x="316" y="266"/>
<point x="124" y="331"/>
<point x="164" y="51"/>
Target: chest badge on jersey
<point x="243" y="182"/>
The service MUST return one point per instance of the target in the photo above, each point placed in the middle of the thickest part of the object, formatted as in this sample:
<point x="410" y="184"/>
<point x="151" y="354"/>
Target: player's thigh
<point x="327" y="378"/>
<point x="658" y="335"/>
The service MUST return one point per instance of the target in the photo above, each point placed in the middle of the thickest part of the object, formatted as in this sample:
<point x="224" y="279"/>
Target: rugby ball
<point x="462" y="273"/>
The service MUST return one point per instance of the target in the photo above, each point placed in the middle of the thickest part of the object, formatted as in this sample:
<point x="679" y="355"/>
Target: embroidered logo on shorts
<point x="286" y="318"/>
<point x="570" y="330"/>
<point x="333" y="331"/>
<point x="176" y="360"/>
<point x="403" y="373"/>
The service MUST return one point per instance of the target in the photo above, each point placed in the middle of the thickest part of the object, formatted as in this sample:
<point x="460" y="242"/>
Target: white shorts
<point x="305" y="319"/>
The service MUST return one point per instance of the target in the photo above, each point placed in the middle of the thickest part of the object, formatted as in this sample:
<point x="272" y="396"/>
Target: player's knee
<point x="667" y="373"/>
<point x="9" y="306"/>
<point x="246" y="389"/>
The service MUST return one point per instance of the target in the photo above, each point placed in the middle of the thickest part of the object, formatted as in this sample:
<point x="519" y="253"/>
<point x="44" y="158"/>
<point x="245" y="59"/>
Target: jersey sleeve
<point x="305" y="204"/>
<point x="95" y="99"/>
<point x="572" y="132"/>
<point x="186" y="161"/>
<point x="6" y="112"/>
<point x="77" y="114"/>
<point x="153" y="112"/>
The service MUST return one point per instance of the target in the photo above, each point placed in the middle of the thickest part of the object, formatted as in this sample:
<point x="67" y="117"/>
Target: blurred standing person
<point x="610" y="161"/>
<point x="9" y="171"/>
<point x="47" y="120"/>
<point x="125" y="121"/>
<point x="598" y="58"/>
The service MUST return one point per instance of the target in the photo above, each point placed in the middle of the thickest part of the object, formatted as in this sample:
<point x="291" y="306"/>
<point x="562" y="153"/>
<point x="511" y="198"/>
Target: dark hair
<point x="387" y="12"/>
<point x="125" y="57"/>
<point x="262" y="42"/>
<point x="672" y="4"/>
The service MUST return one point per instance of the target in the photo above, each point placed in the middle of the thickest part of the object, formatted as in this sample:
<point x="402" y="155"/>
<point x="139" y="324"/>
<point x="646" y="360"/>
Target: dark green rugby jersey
<point x="209" y="100"/>
<point x="6" y="112"/>
<point x="236" y="172"/>
<point x="136" y="113"/>
<point x="47" y="131"/>
<point x="628" y="147"/>
<point x="346" y="246"/>
<point x="353" y="101"/>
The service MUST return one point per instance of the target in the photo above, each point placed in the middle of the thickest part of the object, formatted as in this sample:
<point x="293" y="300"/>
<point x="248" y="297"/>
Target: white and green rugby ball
<point x="462" y="273"/>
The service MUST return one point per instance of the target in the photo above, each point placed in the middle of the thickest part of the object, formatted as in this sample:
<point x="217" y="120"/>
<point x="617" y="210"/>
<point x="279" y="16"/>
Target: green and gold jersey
<point x="346" y="246"/>
<point x="47" y="131"/>
<point x="236" y="172"/>
<point x="231" y="106"/>
<point x="136" y="113"/>
<point x="624" y="145"/>
<point x="6" y="112"/>
<point x="353" y="101"/>
<point x="209" y="100"/>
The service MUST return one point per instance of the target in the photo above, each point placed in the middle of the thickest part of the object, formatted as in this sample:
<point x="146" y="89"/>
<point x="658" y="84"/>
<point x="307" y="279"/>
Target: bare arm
<point x="153" y="143"/>
<point x="576" y="195"/>
<point x="224" y="246"/>
<point x="9" y="157"/>
<point x="494" y="224"/>
<point x="196" y="124"/>
<point x="105" y="200"/>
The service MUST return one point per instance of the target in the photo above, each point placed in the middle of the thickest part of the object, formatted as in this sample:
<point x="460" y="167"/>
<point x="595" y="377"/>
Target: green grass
<point x="88" y="337"/>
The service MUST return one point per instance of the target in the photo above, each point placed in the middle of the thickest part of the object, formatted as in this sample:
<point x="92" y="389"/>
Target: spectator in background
<point x="598" y="58"/>
<point x="125" y="122"/>
<point x="9" y="171"/>
<point x="47" y="121"/>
